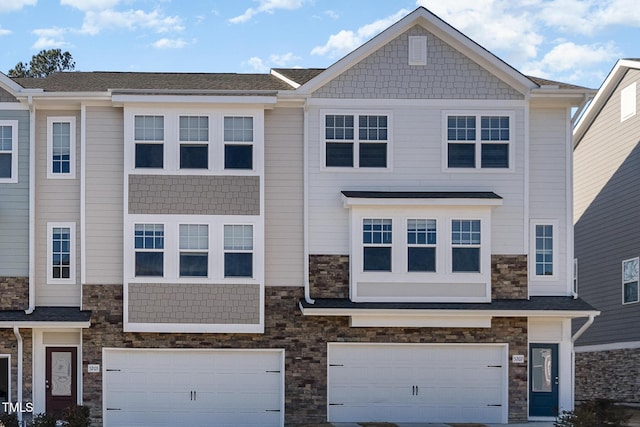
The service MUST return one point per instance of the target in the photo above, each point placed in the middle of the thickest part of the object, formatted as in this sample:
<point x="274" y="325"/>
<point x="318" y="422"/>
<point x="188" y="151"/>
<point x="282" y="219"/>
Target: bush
<point x="594" y="413"/>
<point x="9" y="420"/>
<point x="43" y="420"/>
<point x="76" y="416"/>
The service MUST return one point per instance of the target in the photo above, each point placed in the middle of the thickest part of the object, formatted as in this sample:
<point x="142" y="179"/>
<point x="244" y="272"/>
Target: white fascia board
<point x="352" y="201"/>
<point x="602" y="96"/>
<point x="194" y="99"/>
<point x="285" y="79"/>
<point x="9" y="85"/>
<point x="45" y="325"/>
<point x="440" y="29"/>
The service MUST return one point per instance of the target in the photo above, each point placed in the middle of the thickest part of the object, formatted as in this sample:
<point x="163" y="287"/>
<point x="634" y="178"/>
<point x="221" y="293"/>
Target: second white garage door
<point x="417" y="383"/>
<point x="193" y="387"/>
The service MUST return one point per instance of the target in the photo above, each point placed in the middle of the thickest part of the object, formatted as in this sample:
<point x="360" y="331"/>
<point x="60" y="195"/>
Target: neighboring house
<point x="607" y="236"/>
<point x="388" y="239"/>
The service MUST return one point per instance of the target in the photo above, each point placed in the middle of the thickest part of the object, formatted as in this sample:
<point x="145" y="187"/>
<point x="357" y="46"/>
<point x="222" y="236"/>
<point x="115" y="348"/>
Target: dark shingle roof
<point x="546" y="82"/>
<point x="299" y="75"/>
<point x="421" y="194"/>
<point x="100" y="81"/>
<point x="46" y="314"/>
<point x="532" y="304"/>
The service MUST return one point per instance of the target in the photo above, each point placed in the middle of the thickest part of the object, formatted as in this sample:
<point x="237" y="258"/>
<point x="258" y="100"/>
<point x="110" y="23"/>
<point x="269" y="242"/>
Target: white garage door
<point x="191" y="387"/>
<point x="417" y="383"/>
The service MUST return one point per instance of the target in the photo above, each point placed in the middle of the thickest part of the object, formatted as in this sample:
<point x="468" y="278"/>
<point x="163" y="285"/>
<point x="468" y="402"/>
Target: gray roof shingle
<point x="46" y="314"/>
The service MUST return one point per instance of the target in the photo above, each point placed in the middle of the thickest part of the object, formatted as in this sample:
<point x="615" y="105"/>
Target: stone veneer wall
<point x="9" y="345"/>
<point x="194" y="303"/>
<point x="509" y="277"/>
<point x="15" y="293"/>
<point x="329" y="276"/>
<point x="612" y="374"/>
<point x="194" y="195"/>
<point x="304" y="340"/>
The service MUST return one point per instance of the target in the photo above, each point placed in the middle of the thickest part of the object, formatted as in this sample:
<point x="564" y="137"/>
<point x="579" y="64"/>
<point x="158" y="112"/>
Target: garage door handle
<point x="336" y="404"/>
<point x="334" y="364"/>
<point x="113" y="370"/>
<point x="494" y="366"/>
<point x="114" y="409"/>
<point x="494" y="405"/>
<point x="272" y="410"/>
<point x="272" y="372"/>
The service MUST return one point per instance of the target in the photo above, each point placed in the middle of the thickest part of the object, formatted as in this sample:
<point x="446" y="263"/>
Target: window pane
<point x="339" y="154"/>
<point x="238" y="129"/>
<point x="194" y="128"/>
<point x="193" y="264"/>
<point x="6" y="138"/>
<point x="194" y="156"/>
<point x="149" y="128"/>
<point x="376" y="231"/>
<point x="544" y="250"/>
<point x="631" y="292"/>
<point x="373" y="155"/>
<point x="377" y="258"/>
<point x="238" y="156"/>
<point x="149" y="156"/>
<point x="339" y="127"/>
<point x="194" y="236"/>
<point x="421" y="231"/>
<point x="238" y="237"/>
<point x="61" y="147"/>
<point x="5" y="165"/>
<point x="495" y="155"/>
<point x="149" y="264"/>
<point x="372" y="128"/>
<point x="465" y="232"/>
<point x="466" y="259"/>
<point x="61" y="252"/>
<point x="238" y="265"/>
<point x="461" y="128"/>
<point x="422" y="259"/>
<point x="495" y="128"/>
<point x="149" y="236"/>
<point x="541" y="369"/>
<point x="461" y="155"/>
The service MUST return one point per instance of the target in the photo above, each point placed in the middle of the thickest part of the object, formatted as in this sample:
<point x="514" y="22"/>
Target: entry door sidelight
<point x="61" y="383"/>
<point x="543" y="380"/>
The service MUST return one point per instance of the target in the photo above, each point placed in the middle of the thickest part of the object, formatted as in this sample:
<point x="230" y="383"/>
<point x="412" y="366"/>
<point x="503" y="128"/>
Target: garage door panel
<point x="185" y="387"/>
<point x="417" y="383"/>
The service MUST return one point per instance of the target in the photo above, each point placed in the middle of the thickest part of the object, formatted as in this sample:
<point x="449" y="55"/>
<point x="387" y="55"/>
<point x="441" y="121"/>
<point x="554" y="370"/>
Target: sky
<point x="573" y="41"/>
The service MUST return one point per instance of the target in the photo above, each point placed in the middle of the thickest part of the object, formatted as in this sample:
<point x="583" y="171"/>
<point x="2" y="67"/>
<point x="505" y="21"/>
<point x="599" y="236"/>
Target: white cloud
<point x="284" y="60"/>
<point x="260" y="65"/>
<point x="4" y="32"/>
<point x="49" y="43"/>
<point x="95" y="22"/>
<point x="13" y="5"/>
<point x="86" y="5"/>
<point x="345" y="41"/>
<point x="332" y="14"/>
<point x="257" y="65"/>
<point x="268" y="6"/>
<point x="165" y="43"/>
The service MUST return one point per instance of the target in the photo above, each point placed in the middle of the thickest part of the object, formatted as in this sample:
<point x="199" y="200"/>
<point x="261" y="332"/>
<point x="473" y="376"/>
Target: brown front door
<point x="61" y="382"/>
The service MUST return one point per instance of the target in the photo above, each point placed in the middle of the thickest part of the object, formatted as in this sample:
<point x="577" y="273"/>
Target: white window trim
<point x="399" y="270"/>
<point x="478" y="141"/>
<point x="72" y="280"/>
<point x="171" y="142"/>
<point x="623" y="282"/>
<point x="72" y="147"/>
<point x="356" y="141"/>
<point x="532" y="250"/>
<point x="171" y="259"/>
<point x="628" y="102"/>
<point x="14" y="151"/>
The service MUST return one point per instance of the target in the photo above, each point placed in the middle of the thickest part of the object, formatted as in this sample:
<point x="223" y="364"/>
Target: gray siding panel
<point x="194" y="195"/>
<point x="104" y="195"/>
<point x="447" y="75"/>
<point x="607" y="223"/>
<point x="14" y="206"/>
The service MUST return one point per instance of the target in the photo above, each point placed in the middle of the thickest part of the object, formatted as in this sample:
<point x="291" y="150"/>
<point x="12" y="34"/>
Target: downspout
<point x="16" y="331"/>
<point x="584" y="327"/>
<point x="305" y="203"/>
<point x="32" y="205"/>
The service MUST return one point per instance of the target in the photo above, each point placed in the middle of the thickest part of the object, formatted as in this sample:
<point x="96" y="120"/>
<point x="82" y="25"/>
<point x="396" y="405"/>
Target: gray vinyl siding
<point x="6" y="96"/>
<point x="387" y="74"/>
<point x="57" y="200"/>
<point x="104" y="195"/>
<point x="283" y="197"/>
<point x="14" y="206"/>
<point x="607" y="219"/>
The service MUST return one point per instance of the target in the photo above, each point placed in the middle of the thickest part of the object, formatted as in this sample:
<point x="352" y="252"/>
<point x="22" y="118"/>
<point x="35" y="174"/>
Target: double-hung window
<point x="61" y="147"/>
<point x="238" y="142"/>
<point x="194" y="142"/>
<point x="356" y="141"/>
<point x="544" y="249"/>
<point x="61" y="253"/>
<point x="8" y="151"/>
<point x="377" y="243"/>
<point x="478" y="141"/>
<point x="149" y="250"/>
<point x="149" y="141"/>
<point x="238" y="250"/>
<point x="630" y="270"/>
<point x="465" y="245"/>
<point x="194" y="250"/>
<point x="421" y="245"/>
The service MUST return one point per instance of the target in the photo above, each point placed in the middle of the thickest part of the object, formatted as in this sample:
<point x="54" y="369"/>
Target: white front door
<point x="417" y="383"/>
<point x="193" y="387"/>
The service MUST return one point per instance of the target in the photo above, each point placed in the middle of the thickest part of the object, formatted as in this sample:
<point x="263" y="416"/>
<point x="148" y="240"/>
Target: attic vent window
<point x="417" y="50"/>
<point x="628" y="102"/>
